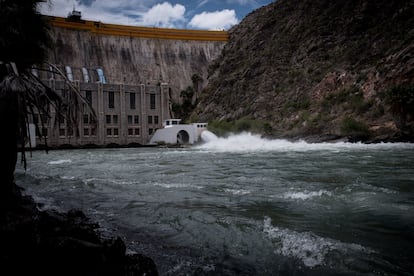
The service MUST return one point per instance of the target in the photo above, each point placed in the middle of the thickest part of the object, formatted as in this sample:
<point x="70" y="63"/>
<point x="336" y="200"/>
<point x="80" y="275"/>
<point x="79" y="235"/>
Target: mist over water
<point x="248" y="142"/>
<point x="244" y="205"/>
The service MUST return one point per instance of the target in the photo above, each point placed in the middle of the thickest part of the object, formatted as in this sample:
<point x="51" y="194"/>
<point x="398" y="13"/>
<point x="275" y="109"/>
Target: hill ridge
<point x="309" y="67"/>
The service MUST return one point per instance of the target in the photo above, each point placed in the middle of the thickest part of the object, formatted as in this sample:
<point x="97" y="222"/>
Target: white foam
<point x="306" y="194"/>
<point x="208" y="136"/>
<point x="58" y="162"/>
<point x="237" y="191"/>
<point x="64" y="177"/>
<point x="86" y="181"/>
<point x="311" y="249"/>
<point x="247" y="142"/>
<point x="175" y="185"/>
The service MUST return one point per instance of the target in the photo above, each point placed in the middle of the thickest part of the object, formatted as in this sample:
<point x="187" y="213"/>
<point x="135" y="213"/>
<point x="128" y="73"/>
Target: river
<point x="243" y="205"/>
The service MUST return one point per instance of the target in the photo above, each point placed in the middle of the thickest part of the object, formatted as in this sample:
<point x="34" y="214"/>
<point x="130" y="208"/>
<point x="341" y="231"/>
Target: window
<point x="136" y="131"/>
<point x="101" y="75"/>
<point x="115" y="132"/>
<point x="132" y="104"/>
<point x="149" y="119"/>
<point x="35" y="118"/>
<point x="136" y="119"/>
<point x="44" y="118"/>
<point x="109" y="132"/>
<point x="92" y="119"/>
<point x="86" y="132"/>
<point x="62" y="132"/>
<point x="93" y="131"/>
<point x="70" y="132"/>
<point x="85" y="74"/>
<point x="130" y="131"/>
<point x="111" y="100"/>
<point x="85" y="119"/>
<point x="129" y="119"/>
<point x="50" y="73"/>
<point x="115" y="119"/>
<point x="108" y="119"/>
<point x="61" y="120"/>
<point x="150" y="131"/>
<point x="156" y="120"/>
<point x="152" y="101"/>
<point x="88" y="96"/>
<point x="69" y="74"/>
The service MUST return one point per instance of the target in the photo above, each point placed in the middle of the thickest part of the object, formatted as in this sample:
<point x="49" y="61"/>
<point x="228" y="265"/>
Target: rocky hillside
<point x="318" y="68"/>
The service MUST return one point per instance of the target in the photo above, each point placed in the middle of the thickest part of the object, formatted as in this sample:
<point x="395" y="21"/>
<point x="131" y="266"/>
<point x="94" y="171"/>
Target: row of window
<point x="63" y="132"/>
<point x="87" y="119"/>
<point x="132" y="100"/>
<point x="132" y="119"/>
<point x="110" y="132"/>
<point x="110" y="119"/>
<point x="111" y="99"/>
<point x="89" y="75"/>
<point x="85" y="73"/>
<point x="37" y="119"/>
<point x="92" y="132"/>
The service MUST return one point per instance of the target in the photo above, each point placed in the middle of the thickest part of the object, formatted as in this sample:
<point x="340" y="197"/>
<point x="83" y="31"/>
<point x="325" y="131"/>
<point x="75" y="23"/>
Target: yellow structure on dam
<point x="134" y="31"/>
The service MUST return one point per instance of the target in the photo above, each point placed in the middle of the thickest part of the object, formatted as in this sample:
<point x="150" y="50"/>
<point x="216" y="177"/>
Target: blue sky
<point x="188" y="14"/>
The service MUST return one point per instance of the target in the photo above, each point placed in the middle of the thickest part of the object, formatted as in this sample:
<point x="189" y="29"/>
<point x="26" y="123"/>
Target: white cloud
<point x="164" y="15"/>
<point x="143" y="13"/>
<point x="217" y="20"/>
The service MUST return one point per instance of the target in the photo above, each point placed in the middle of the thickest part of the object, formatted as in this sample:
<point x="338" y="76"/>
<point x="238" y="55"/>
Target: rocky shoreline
<point x="35" y="242"/>
<point x="334" y="138"/>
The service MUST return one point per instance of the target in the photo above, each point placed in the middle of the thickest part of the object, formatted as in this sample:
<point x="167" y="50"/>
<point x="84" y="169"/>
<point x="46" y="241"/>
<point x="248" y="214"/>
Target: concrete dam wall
<point x="135" y="55"/>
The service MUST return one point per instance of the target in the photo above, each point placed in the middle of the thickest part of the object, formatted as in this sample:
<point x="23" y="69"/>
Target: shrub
<point x="297" y="104"/>
<point x="222" y="128"/>
<point x="401" y="101"/>
<point x="351" y="127"/>
<point x="352" y="95"/>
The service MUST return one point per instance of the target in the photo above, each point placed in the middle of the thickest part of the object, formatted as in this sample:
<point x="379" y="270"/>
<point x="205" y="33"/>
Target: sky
<point x="181" y="14"/>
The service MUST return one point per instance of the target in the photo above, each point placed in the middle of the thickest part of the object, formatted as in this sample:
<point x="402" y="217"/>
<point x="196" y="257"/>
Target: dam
<point x="134" y="55"/>
<point x="130" y="75"/>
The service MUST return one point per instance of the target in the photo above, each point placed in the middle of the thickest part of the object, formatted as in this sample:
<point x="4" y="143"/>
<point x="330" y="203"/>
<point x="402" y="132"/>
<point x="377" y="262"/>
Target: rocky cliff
<point x="133" y="59"/>
<point x="307" y="68"/>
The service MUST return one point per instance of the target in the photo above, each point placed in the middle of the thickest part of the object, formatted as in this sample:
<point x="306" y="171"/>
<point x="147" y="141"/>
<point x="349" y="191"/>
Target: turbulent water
<point x="244" y="205"/>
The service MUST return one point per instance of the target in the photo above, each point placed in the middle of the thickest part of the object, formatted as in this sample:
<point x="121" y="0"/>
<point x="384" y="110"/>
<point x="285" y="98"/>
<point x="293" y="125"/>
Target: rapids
<point x="244" y="205"/>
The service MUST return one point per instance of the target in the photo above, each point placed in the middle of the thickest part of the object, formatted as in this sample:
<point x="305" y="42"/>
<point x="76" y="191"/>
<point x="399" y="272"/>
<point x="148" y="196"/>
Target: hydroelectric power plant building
<point x="125" y="114"/>
<point x="129" y="105"/>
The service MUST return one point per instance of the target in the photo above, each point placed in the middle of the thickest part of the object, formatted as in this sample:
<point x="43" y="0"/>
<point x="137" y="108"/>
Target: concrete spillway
<point x="134" y="55"/>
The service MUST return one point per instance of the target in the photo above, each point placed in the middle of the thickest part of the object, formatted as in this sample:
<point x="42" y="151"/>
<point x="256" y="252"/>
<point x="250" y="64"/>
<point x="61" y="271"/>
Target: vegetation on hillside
<point x="188" y="99"/>
<point x="400" y="99"/>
